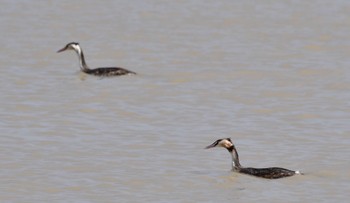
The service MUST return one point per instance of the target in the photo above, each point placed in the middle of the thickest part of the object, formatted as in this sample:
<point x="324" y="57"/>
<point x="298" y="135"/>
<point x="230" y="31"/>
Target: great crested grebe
<point x="103" y="72"/>
<point x="270" y="173"/>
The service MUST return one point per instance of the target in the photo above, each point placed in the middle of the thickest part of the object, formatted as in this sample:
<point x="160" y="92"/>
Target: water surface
<point x="273" y="76"/>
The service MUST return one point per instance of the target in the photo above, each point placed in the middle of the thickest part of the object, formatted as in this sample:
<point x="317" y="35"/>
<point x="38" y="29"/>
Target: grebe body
<point x="270" y="173"/>
<point x="102" y="72"/>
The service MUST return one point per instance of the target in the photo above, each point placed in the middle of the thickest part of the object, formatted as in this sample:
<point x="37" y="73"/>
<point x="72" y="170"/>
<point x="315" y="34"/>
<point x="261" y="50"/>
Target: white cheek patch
<point x="225" y="143"/>
<point x="76" y="48"/>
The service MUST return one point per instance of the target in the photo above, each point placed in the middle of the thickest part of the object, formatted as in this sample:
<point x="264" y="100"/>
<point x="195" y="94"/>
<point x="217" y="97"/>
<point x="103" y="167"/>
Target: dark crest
<point x="75" y="43"/>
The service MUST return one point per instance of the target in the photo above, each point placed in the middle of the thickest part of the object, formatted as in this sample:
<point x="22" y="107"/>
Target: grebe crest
<point x="103" y="72"/>
<point x="270" y="173"/>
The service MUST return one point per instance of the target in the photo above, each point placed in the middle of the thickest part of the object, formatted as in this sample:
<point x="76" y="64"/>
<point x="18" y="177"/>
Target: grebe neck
<point x="83" y="66"/>
<point x="235" y="159"/>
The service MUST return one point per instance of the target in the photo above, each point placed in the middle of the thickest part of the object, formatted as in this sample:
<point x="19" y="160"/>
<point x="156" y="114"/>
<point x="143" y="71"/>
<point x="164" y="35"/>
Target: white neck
<point x="235" y="160"/>
<point x="80" y="54"/>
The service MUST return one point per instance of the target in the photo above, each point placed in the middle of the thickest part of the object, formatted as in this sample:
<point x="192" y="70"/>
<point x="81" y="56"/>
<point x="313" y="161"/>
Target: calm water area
<point x="274" y="76"/>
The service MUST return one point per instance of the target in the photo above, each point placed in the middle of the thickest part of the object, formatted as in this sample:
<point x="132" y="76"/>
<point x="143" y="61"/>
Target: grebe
<point x="103" y="72"/>
<point x="270" y="173"/>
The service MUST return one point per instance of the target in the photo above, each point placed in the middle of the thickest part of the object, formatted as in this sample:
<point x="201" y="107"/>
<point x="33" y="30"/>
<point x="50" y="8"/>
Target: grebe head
<point x="71" y="46"/>
<point x="225" y="142"/>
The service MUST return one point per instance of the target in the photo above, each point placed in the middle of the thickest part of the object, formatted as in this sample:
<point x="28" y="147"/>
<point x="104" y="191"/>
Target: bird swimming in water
<point x="103" y="72"/>
<point x="269" y="173"/>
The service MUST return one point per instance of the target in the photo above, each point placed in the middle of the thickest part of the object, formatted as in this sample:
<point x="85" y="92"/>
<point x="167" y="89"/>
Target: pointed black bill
<point x="212" y="145"/>
<point x="63" y="49"/>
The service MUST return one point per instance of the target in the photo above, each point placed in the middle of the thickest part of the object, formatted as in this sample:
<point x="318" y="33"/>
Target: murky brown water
<point x="272" y="75"/>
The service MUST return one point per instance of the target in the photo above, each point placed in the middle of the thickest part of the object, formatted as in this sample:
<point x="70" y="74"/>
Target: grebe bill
<point x="103" y="72"/>
<point x="269" y="173"/>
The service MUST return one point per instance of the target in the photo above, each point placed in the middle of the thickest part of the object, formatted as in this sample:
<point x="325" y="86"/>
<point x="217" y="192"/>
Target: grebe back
<point x="270" y="173"/>
<point x="103" y="72"/>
